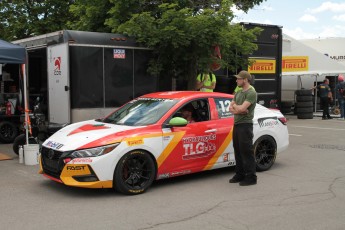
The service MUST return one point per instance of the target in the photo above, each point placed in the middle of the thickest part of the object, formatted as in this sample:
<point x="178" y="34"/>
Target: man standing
<point x="243" y="107"/>
<point x="206" y="82"/>
<point x="325" y="96"/>
<point x="340" y="88"/>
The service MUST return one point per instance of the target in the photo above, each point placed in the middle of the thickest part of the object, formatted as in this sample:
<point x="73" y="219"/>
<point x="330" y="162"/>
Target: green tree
<point x="90" y="15"/>
<point x="182" y="38"/>
<point x="25" y="18"/>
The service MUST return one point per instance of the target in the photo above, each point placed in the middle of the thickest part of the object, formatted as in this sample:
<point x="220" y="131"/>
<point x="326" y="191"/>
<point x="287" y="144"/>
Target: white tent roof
<point x="319" y="64"/>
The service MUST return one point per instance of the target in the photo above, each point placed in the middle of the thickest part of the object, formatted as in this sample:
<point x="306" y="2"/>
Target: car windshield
<point x="141" y="111"/>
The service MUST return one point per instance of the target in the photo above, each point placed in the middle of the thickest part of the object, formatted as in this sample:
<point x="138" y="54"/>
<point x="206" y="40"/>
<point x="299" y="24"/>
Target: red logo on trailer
<point x="57" y="66"/>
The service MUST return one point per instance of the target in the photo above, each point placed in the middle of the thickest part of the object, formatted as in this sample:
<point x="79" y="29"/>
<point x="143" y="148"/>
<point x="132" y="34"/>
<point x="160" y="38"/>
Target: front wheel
<point x="134" y="173"/>
<point x="265" y="150"/>
<point x="20" y="140"/>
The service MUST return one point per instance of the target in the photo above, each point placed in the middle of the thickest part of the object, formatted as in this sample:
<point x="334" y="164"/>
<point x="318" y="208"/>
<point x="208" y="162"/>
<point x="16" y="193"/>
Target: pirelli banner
<point x="289" y="64"/>
<point x="295" y="63"/>
<point x="262" y="66"/>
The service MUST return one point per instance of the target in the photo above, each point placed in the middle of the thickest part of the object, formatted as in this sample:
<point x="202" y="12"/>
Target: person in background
<point x="325" y="97"/>
<point x="206" y="81"/>
<point x="340" y="88"/>
<point x="243" y="107"/>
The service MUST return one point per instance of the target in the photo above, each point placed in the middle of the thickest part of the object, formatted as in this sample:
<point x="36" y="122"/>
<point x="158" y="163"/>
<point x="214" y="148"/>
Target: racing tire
<point x="285" y="110"/>
<point x="286" y="107"/>
<point x="8" y="132"/>
<point x="265" y="151"/>
<point x="304" y="110"/>
<point x="134" y="173"/>
<point x="20" y="140"/>
<point x="305" y="115"/>
<point x="303" y="92"/>
<point x="305" y="104"/>
<point x="304" y="98"/>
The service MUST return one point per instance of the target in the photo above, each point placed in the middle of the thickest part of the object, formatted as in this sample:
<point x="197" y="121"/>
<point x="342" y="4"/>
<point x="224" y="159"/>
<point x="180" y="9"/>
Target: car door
<point x="191" y="146"/>
<point x="224" y="125"/>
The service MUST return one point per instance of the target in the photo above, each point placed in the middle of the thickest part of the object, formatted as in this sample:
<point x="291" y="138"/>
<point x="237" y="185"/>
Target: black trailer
<point x="266" y="69"/>
<point x="82" y="75"/>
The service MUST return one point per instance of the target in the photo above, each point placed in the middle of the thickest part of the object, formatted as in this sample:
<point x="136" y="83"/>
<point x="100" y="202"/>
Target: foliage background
<point x="181" y="33"/>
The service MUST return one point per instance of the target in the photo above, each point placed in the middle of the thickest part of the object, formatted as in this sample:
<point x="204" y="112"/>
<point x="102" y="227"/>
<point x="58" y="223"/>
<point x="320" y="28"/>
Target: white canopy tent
<point x="319" y="67"/>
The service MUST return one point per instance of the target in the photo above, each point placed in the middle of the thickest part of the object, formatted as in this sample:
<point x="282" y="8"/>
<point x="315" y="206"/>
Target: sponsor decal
<point x="232" y="163"/>
<point x="75" y="168"/>
<point x="57" y="66"/>
<point x="54" y="145"/>
<point x="269" y="122"/>
<point x="166" y="138"/>
<point x="262" y="66"/>
<point x="226" y="157"/>
<point x="135" y="142"/>
<point x="119" y="53"/>
<point x="183" y="172"/>
<point x="295" y="63"/>
<point x="153" y="99"/>
<point x="338" y="58"/>
<point x="136" y="191"/>
<point x="199" y="146"/>
<point x="163" y="176"/>
<point x="81" y="160"/>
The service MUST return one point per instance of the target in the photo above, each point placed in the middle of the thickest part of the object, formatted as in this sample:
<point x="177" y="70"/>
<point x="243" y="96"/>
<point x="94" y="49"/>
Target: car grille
<point x="52" y="161"/>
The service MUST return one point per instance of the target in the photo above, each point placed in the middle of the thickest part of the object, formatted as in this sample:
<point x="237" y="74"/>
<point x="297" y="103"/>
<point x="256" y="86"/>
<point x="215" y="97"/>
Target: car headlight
<point x="94" y="152"/>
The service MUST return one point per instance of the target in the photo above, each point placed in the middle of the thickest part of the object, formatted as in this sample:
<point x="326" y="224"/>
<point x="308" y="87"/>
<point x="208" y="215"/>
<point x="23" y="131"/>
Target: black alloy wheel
<point x="134" y="173"/>
<point x="8" y="132"/>
<point x="265" y="149"/>
<point x="20" y="141"/>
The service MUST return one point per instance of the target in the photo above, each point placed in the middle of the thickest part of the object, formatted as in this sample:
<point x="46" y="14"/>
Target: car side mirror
<point x="178" y="122"/>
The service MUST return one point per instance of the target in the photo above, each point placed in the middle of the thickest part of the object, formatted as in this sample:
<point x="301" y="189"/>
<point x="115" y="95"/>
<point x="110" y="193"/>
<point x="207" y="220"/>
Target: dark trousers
<point x="324" y="101"/>
<point x="244" y="152"/>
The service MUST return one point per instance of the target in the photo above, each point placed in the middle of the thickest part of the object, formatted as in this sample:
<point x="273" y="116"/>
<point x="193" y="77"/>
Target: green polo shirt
<point x="240" y="97"/>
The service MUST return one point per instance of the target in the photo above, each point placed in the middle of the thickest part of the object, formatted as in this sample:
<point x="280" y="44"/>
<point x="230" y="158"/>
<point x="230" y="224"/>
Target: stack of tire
<point x="304" y="104"/>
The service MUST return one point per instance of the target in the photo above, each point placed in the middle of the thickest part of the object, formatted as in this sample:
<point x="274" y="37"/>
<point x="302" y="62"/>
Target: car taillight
<point x="283" y="120"/>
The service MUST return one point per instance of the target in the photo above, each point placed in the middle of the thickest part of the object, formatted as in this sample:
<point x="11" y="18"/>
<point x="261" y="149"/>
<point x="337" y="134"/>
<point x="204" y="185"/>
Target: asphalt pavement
<point x="305" y="189"/>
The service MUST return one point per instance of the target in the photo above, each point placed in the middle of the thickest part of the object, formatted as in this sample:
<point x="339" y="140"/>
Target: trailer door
<point x="58" y="83"/>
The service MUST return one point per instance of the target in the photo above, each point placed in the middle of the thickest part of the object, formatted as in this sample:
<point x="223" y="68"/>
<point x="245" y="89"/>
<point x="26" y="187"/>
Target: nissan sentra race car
<point x="149" y="139"/>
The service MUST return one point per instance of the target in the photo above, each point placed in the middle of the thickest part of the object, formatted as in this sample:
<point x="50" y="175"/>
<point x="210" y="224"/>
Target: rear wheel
<point x="265" y="149"/>
<point x="134" y="173"/>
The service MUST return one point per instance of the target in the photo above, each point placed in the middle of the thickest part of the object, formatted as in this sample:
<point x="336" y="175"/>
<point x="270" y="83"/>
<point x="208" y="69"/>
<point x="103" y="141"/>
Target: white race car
<point x="147" y="139"/>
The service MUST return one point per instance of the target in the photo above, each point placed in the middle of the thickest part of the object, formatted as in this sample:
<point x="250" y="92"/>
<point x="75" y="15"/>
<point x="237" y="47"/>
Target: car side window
<point x="223" y="105"/>
<point x="198" y="109"/>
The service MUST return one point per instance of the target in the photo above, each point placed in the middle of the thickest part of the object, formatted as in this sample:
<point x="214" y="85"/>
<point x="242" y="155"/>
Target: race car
<point x="149" y="139"/>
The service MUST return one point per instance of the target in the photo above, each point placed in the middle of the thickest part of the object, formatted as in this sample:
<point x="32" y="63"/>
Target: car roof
<point x="179" y="95"/>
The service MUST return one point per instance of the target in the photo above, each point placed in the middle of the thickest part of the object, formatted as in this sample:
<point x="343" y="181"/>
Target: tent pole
<point x="26" y="105"/>
<point x="315" y="94"/>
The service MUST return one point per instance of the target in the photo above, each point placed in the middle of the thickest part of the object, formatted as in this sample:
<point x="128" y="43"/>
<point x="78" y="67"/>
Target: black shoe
<point x="237" y="178"/>
<point x="324" y="118"/>
<point x="248" y="181"/>
<point x="329" y="118"/>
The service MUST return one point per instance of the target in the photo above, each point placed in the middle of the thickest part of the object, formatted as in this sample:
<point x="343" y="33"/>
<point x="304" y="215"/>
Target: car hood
<point x="86" y="134"/>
